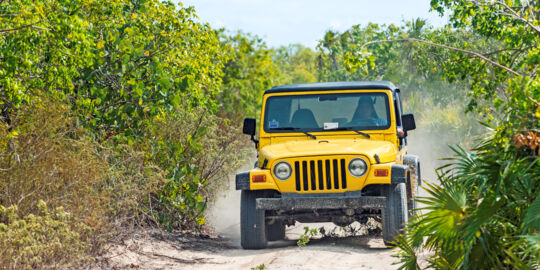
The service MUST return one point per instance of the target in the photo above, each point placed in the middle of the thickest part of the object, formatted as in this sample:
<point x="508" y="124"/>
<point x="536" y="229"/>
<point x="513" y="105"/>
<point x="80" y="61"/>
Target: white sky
<point x="282" y="22"/>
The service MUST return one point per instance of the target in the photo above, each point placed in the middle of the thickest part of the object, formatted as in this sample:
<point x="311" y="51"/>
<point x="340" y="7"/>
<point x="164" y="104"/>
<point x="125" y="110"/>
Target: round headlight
<point x="357" y="167"/>
<point x="282" y="170"/>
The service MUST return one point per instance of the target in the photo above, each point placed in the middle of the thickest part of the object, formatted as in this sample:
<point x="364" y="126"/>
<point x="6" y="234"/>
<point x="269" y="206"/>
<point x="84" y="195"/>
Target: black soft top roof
<point x="333" y="86"/>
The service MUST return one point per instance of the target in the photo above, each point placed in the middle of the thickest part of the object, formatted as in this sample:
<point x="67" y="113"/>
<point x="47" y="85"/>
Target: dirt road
<point x="177" y="251"/>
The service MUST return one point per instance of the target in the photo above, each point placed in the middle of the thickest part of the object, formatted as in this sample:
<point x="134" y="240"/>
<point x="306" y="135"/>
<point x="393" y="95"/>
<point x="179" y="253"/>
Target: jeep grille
<point x="323" y="174"/>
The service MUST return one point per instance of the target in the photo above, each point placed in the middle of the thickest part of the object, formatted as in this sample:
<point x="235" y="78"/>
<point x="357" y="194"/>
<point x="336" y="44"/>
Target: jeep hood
<point x="384" y="149"/>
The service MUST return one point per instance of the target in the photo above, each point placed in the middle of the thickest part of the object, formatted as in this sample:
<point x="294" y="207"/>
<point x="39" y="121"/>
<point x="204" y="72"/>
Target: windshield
<point x="327" y="112"/>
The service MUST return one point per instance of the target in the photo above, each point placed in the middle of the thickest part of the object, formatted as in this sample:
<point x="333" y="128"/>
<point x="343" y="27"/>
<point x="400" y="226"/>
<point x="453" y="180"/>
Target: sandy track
<point x="161" y="250"/>
<point x="176" y="251"/>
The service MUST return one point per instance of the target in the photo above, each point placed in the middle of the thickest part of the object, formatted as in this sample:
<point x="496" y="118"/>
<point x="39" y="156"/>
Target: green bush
<point x="484" y="214"/>
<point x="198" y="151"/>
<point x="438" y="106"/>
<point x="119" y="63"/>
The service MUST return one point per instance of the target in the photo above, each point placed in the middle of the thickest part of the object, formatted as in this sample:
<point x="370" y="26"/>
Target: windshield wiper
<point x="362" y="133"/>
<point x="295" y="129"/>
<point x="350" y="128"/>
<point x="309" y="134"/>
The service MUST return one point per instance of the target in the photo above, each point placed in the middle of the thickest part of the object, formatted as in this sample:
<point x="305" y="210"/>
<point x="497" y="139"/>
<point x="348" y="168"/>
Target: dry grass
<point x="51" y="160"/>
<point x="48" y="239"/>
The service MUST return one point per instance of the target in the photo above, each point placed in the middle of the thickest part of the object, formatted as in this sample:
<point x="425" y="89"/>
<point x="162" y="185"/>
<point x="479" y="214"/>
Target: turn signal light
<point x="381" y="172"/>
<point x="258" y="178"/>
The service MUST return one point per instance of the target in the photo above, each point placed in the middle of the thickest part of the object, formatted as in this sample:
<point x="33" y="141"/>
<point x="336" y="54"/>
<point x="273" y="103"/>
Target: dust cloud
<point x="427" y="146"/>
<point x="224" y="213"/>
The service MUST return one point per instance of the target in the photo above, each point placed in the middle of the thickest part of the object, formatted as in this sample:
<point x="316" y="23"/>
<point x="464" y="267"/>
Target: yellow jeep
<point x="328" y="152"/>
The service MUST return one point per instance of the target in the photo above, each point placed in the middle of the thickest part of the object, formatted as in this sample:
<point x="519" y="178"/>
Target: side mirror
<point x="249" y="129"/>
<point x="408" y="122"/>
<point x="249" y="126"/>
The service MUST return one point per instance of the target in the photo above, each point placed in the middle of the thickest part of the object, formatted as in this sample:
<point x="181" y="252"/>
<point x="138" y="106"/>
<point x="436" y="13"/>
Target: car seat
<point x="303" y="118"/>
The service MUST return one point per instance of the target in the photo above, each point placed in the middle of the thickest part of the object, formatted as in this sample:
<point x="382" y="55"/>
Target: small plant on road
<point x="308" y="233"/>
<point x="259" y="267"/>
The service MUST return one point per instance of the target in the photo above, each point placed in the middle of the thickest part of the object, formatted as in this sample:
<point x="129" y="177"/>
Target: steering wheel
<point x="366" y="122"/>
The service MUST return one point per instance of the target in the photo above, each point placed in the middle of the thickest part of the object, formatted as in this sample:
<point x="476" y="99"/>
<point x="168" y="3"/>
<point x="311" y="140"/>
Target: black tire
<point x="252" y="224"/>
<point x="395" y="213"/>
<point x="275" y="231"/>
<point x="411" y="204"/>
<point x="412" y="212"/>
<point x="416" y="180"/>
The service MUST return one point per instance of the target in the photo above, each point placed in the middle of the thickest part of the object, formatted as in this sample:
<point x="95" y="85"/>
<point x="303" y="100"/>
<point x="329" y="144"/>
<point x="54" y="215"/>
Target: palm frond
<point x="532" y="243"/>
<point x="407" y="257"/>
<point x="531" y="221"/>
<point x="526" y="246"/>
<point x="483" y="214"/>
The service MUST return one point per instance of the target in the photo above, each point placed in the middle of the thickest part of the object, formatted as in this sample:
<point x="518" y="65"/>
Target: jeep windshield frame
<point x="299" y="113"/>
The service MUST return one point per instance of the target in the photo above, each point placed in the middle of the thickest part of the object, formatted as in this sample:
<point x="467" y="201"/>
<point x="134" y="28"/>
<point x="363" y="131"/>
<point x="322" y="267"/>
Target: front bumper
<point x="311" y="203"/>
<point x="398" y="174"/>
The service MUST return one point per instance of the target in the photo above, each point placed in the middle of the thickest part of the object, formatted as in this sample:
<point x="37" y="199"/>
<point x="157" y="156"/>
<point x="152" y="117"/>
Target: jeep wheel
<point x="411" y="201"/>
<point x="415" y="181"/>
<point x="395" y="213"/>
<point x="275" y="231"/>
<point x="252" y="224"/>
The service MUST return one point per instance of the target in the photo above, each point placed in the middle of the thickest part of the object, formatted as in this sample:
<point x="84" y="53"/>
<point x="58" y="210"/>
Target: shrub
<point x="483" y="215"/>
<point x="99" y="188"/>
<point x="306" y="236"/>
<point x="198" y="151"/>
<point x="129" y="185"/>
<point x="45" y="156"/>
<point x="45" y="240"/>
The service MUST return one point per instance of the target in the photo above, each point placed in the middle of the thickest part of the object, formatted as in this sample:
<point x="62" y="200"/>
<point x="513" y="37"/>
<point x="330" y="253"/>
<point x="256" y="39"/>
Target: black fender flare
<point x="242" y="181"/>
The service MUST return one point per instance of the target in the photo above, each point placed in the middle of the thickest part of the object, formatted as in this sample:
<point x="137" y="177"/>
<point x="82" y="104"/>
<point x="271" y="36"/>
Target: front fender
<point x="247" y="180"/>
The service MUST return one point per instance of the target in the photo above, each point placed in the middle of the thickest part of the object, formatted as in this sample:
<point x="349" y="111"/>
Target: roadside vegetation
<point x="113" y="116"/>
<point x="475" y="85"/>
<point x="485" y="211"/>
<point x="125" y="114"/>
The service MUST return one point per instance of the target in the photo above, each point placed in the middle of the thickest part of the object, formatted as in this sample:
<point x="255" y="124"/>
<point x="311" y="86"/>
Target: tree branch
<point x="22" y="27"/>
<point x="534" y="100"/>
<point x="15" y="29"/>
<point x="518" y="17"/>
<point x="475" y="54"/>
<point x="512" y="13"/>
